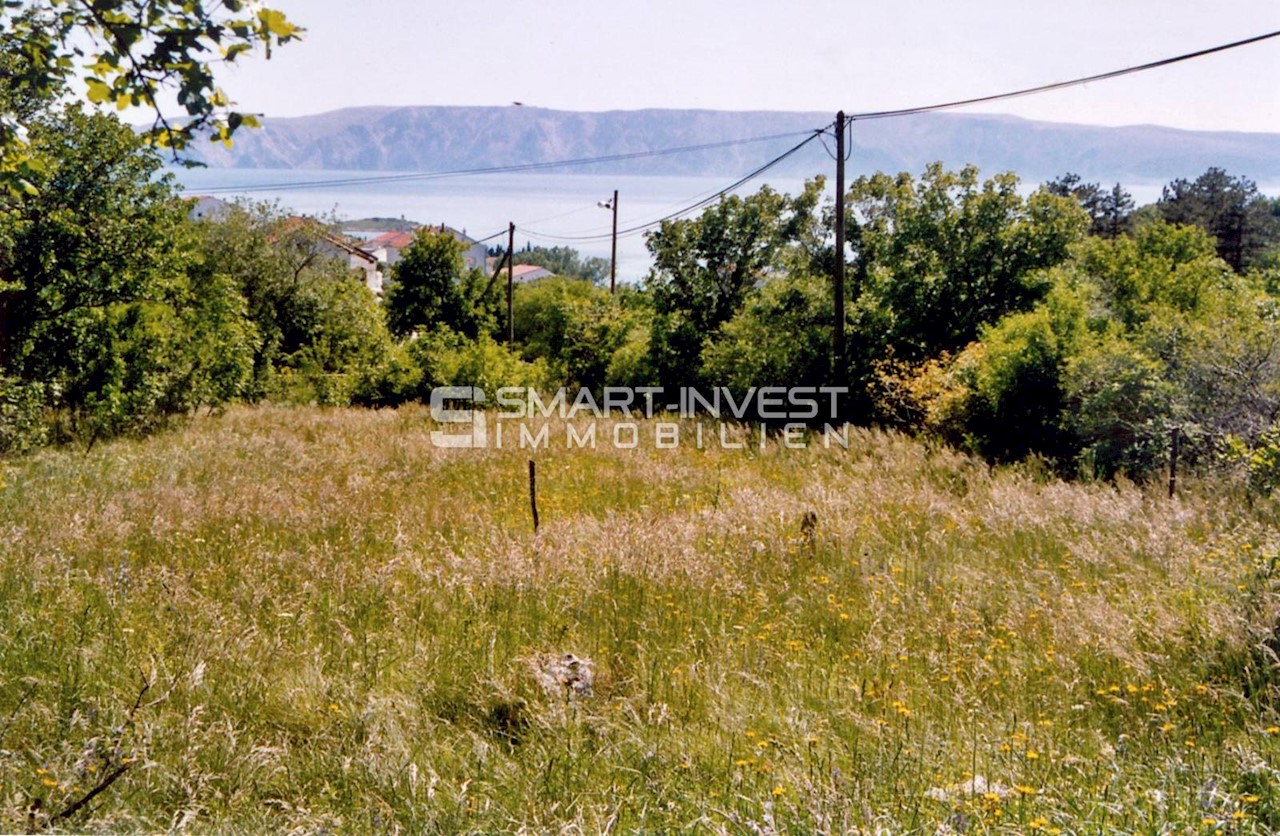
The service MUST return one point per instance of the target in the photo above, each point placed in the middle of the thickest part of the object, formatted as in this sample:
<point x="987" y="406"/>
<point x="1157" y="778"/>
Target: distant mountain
<point x="456" y="138"/>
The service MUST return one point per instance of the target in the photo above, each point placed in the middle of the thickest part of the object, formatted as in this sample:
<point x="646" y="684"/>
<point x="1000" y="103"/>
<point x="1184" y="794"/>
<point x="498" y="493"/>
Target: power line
<point x="599" y="228"/>
<point x="490" y="237"/>
<point x="706" y="201"/>
<point x="1059" y="85"/>
<point x="854" y="117"/>
<point x="886" y="114"/>
<point x="810" y="136"/>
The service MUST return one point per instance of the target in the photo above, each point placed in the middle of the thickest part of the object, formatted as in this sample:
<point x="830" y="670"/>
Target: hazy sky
<point x="819" y="55"/>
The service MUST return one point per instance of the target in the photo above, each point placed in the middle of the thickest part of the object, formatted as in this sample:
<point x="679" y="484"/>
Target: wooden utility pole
<point x="1174" y="437"/>
<point x="533" y="493"/>
<point x="837" y="340"/>
<point x="511" y="281"/>
<point x="613" y="259"/>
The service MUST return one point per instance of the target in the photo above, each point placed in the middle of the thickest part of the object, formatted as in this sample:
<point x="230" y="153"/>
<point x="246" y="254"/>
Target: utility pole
<point x="511" y="279"/>
<point x="613" y="258"/>
<point x="837" y="346"/>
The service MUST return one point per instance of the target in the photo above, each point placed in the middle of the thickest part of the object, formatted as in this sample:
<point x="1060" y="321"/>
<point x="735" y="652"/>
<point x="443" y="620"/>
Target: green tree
<point x="1160" y="266"/>
<point x="1017" y="395"/>
<point x="213" y="314"/>
<point x="1110" y="212"/>
<point x="566" y="262"/>
<point x="127" y="52"/>
<point x="937" y="259"/>
<point x="781" y="337"/>
<point x="1137" y="335"/>
<point x="574" y="326"/>
<point x="447" y="358"/>
<point x="313" y="319"/>
<point x="97" y="309"/>
<point x="1228" y="208"/>
<point x="430" y="287"/>
<point x="706" y="267"/>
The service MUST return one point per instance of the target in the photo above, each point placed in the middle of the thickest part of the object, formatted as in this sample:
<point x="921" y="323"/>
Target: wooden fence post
<point x="533" y="493"/>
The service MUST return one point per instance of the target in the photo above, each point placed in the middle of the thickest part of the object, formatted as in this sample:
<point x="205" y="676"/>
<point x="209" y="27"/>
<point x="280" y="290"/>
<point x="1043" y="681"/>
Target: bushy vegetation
<point x="104" y="318"/>
<point x="1061" y="323"/>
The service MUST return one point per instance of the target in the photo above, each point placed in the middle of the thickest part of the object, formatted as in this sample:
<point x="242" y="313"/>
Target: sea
<point x="547" y="209"/>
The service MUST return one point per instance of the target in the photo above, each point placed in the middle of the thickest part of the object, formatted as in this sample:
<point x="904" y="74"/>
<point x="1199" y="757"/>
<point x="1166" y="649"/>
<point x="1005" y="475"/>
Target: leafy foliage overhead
<point x="126" y="52"/>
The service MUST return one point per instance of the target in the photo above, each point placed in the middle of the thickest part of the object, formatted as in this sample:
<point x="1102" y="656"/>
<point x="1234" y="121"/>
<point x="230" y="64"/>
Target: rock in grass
<point x="565" y="675"/>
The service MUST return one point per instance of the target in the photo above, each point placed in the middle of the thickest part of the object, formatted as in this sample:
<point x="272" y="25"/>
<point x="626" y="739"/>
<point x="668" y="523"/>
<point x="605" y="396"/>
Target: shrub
<point x="449" y="359"/>
<point x="781" y="337"/>
<point x="22" y="426"/>
<point x="573" y="326"/>
<point x="1261" y="460"/>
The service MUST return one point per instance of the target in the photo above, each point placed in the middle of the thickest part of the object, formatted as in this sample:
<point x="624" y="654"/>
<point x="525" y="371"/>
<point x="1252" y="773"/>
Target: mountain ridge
<point x="449" y="138"/>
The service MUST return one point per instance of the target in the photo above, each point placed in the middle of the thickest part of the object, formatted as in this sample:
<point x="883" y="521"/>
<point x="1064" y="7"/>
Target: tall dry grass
<point x="344" y="627"/>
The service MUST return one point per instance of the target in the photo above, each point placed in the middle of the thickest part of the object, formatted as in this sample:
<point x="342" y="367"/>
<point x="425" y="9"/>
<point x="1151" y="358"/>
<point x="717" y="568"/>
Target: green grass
<point x="341" y="626"/>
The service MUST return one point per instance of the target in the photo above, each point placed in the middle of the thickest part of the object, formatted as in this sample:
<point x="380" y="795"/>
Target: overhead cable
<point x="1059" y="85"/>
<point x="693" y="207"/>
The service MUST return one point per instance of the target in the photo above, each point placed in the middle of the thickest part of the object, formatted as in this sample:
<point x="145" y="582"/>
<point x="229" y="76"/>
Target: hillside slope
<point x="451" y="138"/>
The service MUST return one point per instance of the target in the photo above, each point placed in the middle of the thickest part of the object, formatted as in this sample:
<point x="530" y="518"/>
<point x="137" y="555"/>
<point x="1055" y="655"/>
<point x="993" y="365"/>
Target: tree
<point x="574" y="326"/>
<point x="1137" y="335"/>
<point x="706" y="267"/>
<point x="566" y="262"/>
<point x="126" y="52"/>
<point x="937" y="259"/>
<point x="98" y="233"/>
<point x="1110" y="212"/>
<point x="313" y="319"/>
<point x="430" y="287"/>
<point x="781" y="337"/>
<point x="98" y="316"/>
<point x="1228" y="208"/>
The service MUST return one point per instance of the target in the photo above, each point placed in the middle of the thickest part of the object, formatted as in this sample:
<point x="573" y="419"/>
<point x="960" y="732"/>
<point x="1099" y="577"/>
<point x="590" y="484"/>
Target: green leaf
<point x="98" y="91"/>
<point x="277" y="24"/>
<point x="232" y="51"/>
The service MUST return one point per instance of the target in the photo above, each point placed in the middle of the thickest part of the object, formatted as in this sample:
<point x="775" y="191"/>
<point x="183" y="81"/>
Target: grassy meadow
<point x="300" y="620"/>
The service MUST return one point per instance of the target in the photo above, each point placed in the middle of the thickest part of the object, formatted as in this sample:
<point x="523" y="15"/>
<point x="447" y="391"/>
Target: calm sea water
<point x="547" y="209"/>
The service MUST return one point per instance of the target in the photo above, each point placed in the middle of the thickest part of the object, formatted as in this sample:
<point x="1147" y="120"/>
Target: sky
<point x="801" y="55"/>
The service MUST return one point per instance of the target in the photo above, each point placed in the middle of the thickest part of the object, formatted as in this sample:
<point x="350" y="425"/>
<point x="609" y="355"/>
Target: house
<point x="357" y="259"/>
<point x="388" y="246"/>
<point x="207" y="208"/>
<point x="314" y="237"/>
<point x="529" y="272"/>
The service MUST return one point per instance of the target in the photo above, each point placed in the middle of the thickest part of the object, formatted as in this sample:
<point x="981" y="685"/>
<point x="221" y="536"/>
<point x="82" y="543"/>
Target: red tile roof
<point x="394" y="240"/>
